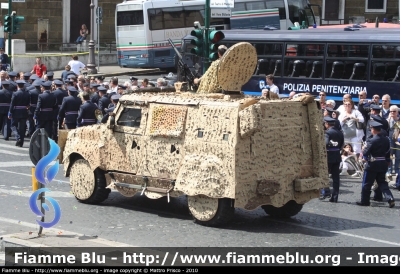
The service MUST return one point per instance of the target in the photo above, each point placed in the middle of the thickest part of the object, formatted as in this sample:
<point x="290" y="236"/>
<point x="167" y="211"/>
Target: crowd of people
<point x="35" y="99"/>
<point x="369" y="132"/>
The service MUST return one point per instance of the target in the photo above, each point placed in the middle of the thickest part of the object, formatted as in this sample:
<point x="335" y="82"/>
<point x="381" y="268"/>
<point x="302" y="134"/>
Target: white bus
<point x="143" y="27"/>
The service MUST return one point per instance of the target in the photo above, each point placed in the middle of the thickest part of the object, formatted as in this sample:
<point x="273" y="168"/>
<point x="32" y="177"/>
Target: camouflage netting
<point x="253" y="150"/>
<point x="168" y="121"/>
<point x="209" y="81"/>
<point x="231" y="71"/>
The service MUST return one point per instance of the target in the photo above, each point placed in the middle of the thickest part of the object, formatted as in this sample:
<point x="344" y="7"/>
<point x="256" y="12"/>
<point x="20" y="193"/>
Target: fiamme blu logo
<point x="45" y="177"/>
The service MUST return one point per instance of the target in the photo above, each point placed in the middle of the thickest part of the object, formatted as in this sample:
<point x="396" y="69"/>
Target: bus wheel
<point x="211" y="211"/>
<point x="87" y="186"/>
<point x="290" y="209"/>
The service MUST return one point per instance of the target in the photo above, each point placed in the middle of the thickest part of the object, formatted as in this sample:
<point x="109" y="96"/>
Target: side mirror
<point x="111" y="122"/>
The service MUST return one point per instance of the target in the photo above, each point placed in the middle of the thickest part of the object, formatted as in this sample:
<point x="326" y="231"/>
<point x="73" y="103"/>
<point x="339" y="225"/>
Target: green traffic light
<point x="16" y="24"/>
<point x="8" y="23"/>
<point x="213" y="56"/>
<point x="197" y="33"/>
<point x="198" y="42"/>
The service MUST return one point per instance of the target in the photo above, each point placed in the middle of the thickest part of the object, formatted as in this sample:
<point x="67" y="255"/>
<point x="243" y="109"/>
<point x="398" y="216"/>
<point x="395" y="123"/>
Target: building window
<point x="375" y="6"/>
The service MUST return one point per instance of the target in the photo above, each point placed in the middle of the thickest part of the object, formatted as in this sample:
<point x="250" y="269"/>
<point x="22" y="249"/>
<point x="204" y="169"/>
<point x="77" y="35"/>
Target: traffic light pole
<point x="206" y="36"/>
<point x="9" y="36"/>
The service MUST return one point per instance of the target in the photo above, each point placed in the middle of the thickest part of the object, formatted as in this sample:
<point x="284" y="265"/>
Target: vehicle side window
<point x="130" y="117"/>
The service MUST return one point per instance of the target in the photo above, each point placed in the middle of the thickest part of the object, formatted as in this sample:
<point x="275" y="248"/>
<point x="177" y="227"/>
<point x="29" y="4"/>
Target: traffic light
<point x="215" y="37"/>
<point x="198" y="42"/>
<point x="8" y="23"/>
<point x="16" y="24"/>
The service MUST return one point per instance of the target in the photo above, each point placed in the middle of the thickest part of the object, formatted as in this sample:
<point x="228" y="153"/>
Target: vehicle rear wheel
<point x="290" y="209"/>
<point x="87" y="186"/>
<point x="211" y="211"/>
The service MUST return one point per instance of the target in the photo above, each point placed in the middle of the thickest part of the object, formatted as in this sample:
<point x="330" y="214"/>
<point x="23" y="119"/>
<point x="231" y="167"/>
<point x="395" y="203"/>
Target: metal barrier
<point x="64" y="47"/>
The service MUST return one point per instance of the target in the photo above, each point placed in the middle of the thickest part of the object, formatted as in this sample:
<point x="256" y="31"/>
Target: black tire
<point x="224" y="214"/>
<point x="100" y="192"/>
<point x="290" y="209"/>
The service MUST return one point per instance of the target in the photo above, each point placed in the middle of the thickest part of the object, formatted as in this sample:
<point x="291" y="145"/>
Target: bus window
<point x="156" y="19"/>
<point x="359" y="51"/>
<point x="173" y="18"/>
<point x="379" y="52"/>
<point x="193" y="14"/>
<point x="259" y="49"/>
<point x="239" y="7"/>
<point x="255" y="5"/>
<point x="132" y="17"/>
<point x="314" y="50"/>
<point x="277" y="4"/>
<point x="291" y="50"/>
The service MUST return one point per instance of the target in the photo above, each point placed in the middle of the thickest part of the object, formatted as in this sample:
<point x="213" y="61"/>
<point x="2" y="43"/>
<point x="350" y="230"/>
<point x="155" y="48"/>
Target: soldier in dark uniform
<point x="375" y="116"/>
<point x="13" y="85"/>
<point x="26" y="79"/>
<point x="114" y="100"/>
<point x="18" y="112"/>
<point x="328" y="112"/>
<point x="87" y="115"/>
<point x="95" y="97"/>
<point x="376" y="154"/>
<point x="134" y="82"/>
<point x="50" y="76"/>
<point x="104" y="101"/>
<point x="60" y="95"/>
<point x="69" y="108"/>
<point x="34" y="95"/>
<point x="44" y="113"/>
<point x="334" y="141"/>
<point x="5" y="100"/>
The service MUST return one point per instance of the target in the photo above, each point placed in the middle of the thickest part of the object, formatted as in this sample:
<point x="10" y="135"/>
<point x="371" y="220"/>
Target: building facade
<point x="53" y="22"/>
<point x="352" y="11"/>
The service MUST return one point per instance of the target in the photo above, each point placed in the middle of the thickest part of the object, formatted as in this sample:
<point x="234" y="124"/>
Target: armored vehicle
<point x="223" y="151"/>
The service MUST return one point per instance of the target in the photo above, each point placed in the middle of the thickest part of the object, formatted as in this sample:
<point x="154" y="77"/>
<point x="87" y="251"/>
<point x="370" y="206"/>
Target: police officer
<point x="328" y="112"/>
<point x="69" y="108"/>
<point x="60" y="95"/>
<point x="375" y="116"/>
<point x="34" y="92"/>
<point x="334" y="141"/>
<point x="104" y="101"/>
<point x="376" y="154"/>
<point x="50" y="76"/>
<point x="134" y="82"/>
<point x="5" y="100"/>
<point x="12" y="76"/>
<point x="87" y="115"/>
<point x="95" y="97"/>
<point x="110" y="110"/>
<point x="44" y="113"/>
<point x="26" y="79"/>
<point x="18" y="112"/>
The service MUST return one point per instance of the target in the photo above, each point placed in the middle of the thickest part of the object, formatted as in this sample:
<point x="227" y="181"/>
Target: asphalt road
<point x="140" y="221"/>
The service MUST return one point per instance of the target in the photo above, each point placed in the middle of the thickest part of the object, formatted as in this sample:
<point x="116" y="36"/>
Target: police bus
<point x="314" y="60"/>
<point x="144" y="27"/>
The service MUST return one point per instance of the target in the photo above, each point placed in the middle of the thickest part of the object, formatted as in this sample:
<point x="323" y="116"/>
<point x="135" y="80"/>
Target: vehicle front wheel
<point x="211" y="211"/>
<point x="290" y="209"/>
<point x="87" y="186"/>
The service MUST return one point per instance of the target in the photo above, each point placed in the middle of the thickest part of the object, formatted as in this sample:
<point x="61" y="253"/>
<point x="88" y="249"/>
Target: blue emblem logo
<point x="45" y="178"/>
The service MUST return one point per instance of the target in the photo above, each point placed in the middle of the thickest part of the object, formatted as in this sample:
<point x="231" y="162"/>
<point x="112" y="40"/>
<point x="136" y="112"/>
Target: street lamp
<point x="91" y="66"/>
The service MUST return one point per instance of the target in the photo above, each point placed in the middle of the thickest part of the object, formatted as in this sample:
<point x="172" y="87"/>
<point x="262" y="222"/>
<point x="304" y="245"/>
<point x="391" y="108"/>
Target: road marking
<point x="14" y="147"/>
<point x="12" y="153"/>
<point x="35" y="226"/>
<point x="342" y="233"/>
<point x="16" y="164"/>
<point x="57" y="194"/>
